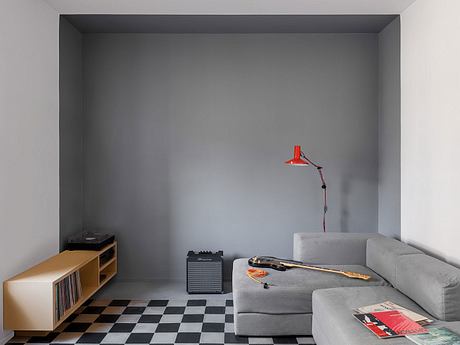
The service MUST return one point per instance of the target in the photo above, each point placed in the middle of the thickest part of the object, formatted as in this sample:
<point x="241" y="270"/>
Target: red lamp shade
<point x="297" y="160"/>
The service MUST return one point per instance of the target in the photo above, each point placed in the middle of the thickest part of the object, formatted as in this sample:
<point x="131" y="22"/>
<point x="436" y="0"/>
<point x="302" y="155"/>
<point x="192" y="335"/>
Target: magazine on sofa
<point x="390" y="323"/>
<point x="436" y="336"/>
<point x="388" y="305"/>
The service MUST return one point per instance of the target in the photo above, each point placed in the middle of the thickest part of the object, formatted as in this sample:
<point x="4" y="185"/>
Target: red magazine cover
<point x="391" y="323"/>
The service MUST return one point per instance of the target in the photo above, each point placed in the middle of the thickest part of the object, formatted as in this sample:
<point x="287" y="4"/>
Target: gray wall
<point x="185" y="138"/>
<point x="390" y="131"/>
<point x="71" y="130"/>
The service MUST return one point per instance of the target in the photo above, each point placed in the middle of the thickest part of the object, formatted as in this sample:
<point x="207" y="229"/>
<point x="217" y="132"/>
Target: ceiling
<point x="227" y="7"/>
<point x="229" y="23"/>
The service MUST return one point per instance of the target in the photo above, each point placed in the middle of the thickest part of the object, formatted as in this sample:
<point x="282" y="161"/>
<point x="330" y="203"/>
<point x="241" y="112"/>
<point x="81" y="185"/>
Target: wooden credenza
<point x="29" y="298"/>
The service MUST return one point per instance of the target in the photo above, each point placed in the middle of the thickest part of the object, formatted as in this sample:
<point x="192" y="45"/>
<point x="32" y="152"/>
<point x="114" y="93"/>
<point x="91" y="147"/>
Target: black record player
<point x="89" y="241"/>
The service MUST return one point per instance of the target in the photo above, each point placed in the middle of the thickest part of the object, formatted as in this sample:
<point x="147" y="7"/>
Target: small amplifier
<point x="205" y="272"/>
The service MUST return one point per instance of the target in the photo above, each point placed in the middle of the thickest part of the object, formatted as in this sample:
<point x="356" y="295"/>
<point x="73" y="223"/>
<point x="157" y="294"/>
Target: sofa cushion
<point x="333" y="321"/>
<point x="332" y="248"/>
<point x="269" y="325"/>
<point x="381" y="255"/>
<point x="293" y="288"/>
<point x="430" y="282"/>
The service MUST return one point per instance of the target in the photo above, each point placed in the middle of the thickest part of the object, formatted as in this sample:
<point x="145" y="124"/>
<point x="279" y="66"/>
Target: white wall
<point x="430" y="147"/>
<point x="29" y="151"/>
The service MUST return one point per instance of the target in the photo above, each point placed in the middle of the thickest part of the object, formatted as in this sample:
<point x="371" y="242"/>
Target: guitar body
<point x="283" y="265"/>
<point x="271" y="262"/>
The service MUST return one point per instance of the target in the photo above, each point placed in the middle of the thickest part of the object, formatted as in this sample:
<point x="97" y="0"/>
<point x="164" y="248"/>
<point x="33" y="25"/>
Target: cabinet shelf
<point x="108" y="263"/>
<point x="29" y="298"/>
<point x="107" y="278"/>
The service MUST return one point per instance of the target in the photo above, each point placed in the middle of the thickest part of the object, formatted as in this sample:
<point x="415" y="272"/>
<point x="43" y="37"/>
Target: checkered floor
<point x="153" y="322"/>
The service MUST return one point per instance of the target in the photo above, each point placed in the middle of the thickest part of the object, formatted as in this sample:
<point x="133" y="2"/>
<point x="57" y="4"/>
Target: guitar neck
<point x="315" y="268"/>
<point x="330" y="270"/>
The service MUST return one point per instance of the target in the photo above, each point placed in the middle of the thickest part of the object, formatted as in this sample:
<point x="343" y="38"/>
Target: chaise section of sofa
<point x="334" y="324"/>
<point x="420" y="283"/>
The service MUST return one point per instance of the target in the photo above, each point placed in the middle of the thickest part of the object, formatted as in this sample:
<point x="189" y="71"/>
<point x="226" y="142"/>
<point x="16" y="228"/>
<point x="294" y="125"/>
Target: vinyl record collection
<point x="68" y="292"/>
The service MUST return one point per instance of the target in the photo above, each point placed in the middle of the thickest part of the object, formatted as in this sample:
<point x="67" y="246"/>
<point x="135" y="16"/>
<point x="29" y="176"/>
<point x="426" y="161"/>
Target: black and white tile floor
<point x="153" y="322"/>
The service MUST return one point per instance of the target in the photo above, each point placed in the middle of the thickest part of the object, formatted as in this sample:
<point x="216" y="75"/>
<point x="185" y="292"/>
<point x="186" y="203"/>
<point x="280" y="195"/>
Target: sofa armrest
<point x="333" y="248"/>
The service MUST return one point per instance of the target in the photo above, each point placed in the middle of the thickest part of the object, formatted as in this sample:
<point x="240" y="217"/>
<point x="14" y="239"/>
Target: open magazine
<point x="420" y="319"/>
<point x="389" y="323"/>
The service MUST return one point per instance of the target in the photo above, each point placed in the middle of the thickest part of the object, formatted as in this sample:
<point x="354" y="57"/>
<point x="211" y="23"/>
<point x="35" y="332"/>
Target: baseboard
<point x="6" y="337"/>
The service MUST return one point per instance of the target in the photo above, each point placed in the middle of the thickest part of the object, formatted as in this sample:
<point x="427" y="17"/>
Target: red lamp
<point x="301" y="160"/>
<point x="297" y="160"/>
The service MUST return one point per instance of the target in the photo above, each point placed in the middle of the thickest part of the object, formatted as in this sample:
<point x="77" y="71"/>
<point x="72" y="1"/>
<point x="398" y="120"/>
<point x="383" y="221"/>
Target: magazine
<point x="390" y="323"/>
<point x="420" y="319"/>
<point x="436" y="336"/>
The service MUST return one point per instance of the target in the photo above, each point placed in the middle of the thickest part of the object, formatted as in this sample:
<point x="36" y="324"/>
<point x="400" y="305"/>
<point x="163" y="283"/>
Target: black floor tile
<point x="93" y="310"/>
<point x="167" y="327"/>
<point x="91" y="338"/>
<point x="139" y="338"/>
<point x="189" y="338"/>
<point x="119" y="303"/>
<point x="231" y="338"/>
<point x="174" y="310"/>
<point x="43" y="340"/>
<point x="284" y="340"/>
<point x="134" y="310"/>
<point x="107" y="318"/>
<point x="229" y="318"/>
<point x="158" y="303"/>
<point x="77" y="327"/>
<point x="196" y="303"/>
<point x="88" y="302"/>
<point x="150" y="319"/>
<point x="213" y="327"/>
<point x="215" y="310"/>
<point x="122" y="327"/>
<point x="229" y="303"/>
<point x="71" y="318"/>
<point x="193" y="318"/>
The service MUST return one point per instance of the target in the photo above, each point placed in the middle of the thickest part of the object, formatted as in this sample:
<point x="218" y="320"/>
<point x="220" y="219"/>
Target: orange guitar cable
<point x="254" y="273"/>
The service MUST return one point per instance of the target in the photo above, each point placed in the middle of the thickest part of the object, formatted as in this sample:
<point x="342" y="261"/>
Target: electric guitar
<point x="283" y="265"/>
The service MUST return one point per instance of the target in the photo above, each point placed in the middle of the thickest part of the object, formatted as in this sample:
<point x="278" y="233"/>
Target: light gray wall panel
<point x="390" y="131"/>
<point x="185" y="138"/>
<point x="70" y="130"/>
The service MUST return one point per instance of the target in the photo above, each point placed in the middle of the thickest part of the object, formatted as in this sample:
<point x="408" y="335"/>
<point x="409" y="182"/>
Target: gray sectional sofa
<point x="306" y="302"/>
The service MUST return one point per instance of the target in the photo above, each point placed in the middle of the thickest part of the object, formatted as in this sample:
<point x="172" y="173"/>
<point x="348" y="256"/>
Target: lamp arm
<point x="323" y="186"/>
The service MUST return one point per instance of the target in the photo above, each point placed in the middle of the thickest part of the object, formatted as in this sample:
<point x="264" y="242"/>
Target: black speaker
<point x="205" y="272"/>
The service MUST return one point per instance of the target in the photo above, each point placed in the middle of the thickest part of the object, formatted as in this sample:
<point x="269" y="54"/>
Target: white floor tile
<point x="164" y="338"/>
<point x="212" y="338"/>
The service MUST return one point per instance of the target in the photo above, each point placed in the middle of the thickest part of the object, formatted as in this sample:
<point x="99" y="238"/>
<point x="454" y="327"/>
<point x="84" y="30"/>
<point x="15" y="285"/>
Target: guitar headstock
<point x="356" y="275"/>
<point x="267" y="262"/>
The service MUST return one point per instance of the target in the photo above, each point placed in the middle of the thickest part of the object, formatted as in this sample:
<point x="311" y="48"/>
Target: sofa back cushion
<point x="382" y="253"/>
<point x="332" y="248"/>
<point x="433" y="284"/>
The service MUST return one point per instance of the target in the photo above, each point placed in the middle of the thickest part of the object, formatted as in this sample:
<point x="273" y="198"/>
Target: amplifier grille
<point x="204" y="277"/>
